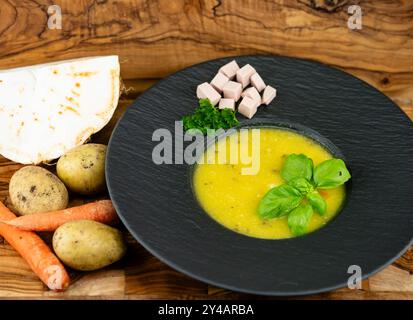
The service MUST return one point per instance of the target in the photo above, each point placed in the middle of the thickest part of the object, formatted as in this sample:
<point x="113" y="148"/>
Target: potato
<point x="34" y="189"/>
<point x="82" y="169"/>
<point x="88" y="245"/>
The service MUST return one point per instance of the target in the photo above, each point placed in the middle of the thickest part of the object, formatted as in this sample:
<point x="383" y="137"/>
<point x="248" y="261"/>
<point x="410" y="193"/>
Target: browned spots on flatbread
<point x="55" y="71"/>
<point x="84" y="74"/>
<point x="72" y="110"/>
<point x="77" y="85"/>
<point x="72" y="101"/>
<point x="20" y="128"/>
<point x="77" y="94"/>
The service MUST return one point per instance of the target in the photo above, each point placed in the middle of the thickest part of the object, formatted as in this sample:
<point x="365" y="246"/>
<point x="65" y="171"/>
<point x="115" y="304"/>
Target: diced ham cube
<point x="232" y="90"/>
<point x="268" y="95"/>
<point x="227" y="104"/>
<point x="230" y="69"/>
<point x="205" y="90"/>
<point x="247" y="107"/>
<point x="219" y="81"/>
<point x="257" y="82"/>
<point x="244" y="75"/>
<point x="253" y="94"/>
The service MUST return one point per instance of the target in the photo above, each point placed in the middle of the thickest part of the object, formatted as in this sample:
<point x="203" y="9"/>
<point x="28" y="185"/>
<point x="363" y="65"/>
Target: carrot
<point x="36" y="253"/>
<point x="100" y="211"/>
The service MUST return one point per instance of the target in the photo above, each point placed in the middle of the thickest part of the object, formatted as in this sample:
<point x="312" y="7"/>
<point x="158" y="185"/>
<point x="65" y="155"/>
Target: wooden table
<point x="157" y="37"/>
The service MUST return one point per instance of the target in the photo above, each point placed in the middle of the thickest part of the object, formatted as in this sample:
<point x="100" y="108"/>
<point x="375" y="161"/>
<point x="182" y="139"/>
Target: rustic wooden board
<point x="157" y="37"/>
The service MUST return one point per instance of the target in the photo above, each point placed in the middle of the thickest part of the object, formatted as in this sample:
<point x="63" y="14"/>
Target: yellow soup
<point x="232" y="197"/>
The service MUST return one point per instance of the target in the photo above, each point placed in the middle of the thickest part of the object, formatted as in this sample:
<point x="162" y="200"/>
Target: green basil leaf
<point x="331" y="174"/>
<point x="299" y="218"/>
<point x="279" y="201"/>
<point x="317" y="202"/>
<point x="297" y="166"/>
<point x="302" y="185"/>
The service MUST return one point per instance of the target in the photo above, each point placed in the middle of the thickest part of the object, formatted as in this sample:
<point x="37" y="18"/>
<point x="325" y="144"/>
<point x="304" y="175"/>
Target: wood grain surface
<point x="157" y="37"/>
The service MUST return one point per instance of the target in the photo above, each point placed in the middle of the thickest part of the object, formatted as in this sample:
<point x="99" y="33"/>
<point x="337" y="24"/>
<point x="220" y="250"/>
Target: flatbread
<point x="48" y="109"/>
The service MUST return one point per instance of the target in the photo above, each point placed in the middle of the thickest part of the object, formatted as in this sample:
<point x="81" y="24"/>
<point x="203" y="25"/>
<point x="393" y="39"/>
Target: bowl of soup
<point x="236" y="171"/>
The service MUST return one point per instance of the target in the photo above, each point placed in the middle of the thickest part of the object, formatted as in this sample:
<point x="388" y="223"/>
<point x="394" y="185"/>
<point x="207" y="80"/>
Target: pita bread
<point x="48" y="109"/>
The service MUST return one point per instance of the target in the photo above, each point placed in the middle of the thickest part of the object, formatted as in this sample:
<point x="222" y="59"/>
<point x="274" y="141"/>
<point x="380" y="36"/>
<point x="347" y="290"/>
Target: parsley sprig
<point x="206" y="116"/>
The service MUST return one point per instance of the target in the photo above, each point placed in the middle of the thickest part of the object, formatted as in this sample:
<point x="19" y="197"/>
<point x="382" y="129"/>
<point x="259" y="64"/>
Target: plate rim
<point x="273" y="293"/>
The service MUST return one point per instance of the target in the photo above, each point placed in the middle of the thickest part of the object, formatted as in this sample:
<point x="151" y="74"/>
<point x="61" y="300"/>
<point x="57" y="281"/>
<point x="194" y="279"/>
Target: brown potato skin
<point x="82" y="169"/>
<point x="87" y="245"/>
<point x="34" y="189"/>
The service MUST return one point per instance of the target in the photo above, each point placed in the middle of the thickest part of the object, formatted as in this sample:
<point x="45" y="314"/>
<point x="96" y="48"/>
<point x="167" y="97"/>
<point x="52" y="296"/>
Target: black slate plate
<point x="157" y="205"/>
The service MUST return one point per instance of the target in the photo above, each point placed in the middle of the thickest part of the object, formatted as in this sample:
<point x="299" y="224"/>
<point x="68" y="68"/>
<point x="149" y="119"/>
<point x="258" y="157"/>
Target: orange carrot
<point x="36" y="253"/>
<point x="100" y="211"/>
